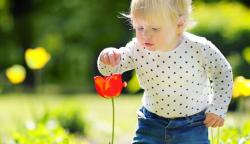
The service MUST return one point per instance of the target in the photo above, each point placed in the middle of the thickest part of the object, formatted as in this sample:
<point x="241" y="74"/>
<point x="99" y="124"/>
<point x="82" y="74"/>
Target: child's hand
<point x="110" y="56"/>
<point x="213" y="120"/>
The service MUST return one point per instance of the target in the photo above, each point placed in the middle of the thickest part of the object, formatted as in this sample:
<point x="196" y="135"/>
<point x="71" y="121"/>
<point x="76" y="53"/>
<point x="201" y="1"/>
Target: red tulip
<point x="109" y="86"/>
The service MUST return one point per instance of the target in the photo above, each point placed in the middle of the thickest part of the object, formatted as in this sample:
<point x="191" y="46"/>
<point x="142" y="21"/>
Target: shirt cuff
<point x="220" y="111"/>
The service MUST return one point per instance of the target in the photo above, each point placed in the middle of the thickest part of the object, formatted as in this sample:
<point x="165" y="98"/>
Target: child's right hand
<point x="110" y="56"/>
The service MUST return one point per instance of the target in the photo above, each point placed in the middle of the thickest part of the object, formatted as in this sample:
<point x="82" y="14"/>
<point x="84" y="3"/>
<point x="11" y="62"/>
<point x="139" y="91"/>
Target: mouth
<point x="148" y="44"/>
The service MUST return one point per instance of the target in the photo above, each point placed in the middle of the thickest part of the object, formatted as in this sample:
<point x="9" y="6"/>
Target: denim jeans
<point x="153" y="129"/>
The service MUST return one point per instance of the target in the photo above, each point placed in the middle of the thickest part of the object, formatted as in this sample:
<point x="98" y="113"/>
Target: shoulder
<point x="194" y="39"/>
<point x="199" y="41"/>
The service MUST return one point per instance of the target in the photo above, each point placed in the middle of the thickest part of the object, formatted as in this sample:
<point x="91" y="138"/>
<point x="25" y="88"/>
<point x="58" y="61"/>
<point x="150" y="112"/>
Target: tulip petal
<point x="114" y="85"/>
<point x="99" y="85"/>
<point x="110" y="86"/>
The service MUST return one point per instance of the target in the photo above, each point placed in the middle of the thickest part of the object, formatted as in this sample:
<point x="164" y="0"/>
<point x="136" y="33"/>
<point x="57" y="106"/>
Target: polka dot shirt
<point x="195" y="76"/>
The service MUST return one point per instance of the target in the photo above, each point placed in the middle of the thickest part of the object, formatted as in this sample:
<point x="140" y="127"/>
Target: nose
<point x="147" y="34"/>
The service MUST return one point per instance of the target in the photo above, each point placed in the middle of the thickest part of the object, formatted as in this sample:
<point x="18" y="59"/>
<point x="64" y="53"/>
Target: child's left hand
<point x="213" y="120"/>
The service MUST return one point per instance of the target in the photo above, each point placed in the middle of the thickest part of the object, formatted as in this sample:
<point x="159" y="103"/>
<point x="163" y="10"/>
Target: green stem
<point x="38" y="81"/>
<point x="113" y="120"/>
<point x="218" y="135"/>
<point x="212" y="135"/>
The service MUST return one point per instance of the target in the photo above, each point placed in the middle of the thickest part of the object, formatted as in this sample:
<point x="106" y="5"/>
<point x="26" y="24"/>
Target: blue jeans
<point x="153" y="129"/>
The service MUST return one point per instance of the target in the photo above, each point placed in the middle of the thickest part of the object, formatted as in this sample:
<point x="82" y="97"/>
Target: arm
<point x="112" y="60"/>
<point x="219" y="72"/>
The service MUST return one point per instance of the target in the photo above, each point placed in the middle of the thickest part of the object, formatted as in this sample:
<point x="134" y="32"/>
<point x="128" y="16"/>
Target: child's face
<point x="155" y="36"/>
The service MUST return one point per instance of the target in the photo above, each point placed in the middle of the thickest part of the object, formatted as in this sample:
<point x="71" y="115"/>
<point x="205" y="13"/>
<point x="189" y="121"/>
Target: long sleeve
<point x="126" y="63"/>
<point x="219" y="73"/>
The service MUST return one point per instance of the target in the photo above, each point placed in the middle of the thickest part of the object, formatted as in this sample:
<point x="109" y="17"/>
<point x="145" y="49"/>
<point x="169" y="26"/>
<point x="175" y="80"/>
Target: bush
<point x="236" y="135"/>
<point x="227" y="25"/>
<point x="69" y="119"/>
<point x="41" y="133"/>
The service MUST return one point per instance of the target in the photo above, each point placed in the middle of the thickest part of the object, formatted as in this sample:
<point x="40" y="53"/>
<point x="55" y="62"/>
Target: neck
<point x="174" y="44"/>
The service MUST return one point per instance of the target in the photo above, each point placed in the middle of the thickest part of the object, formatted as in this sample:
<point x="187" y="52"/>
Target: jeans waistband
<point x="148" y="113"/>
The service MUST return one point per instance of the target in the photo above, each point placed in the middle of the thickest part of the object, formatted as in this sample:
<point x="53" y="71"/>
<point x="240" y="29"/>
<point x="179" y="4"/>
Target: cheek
<point x="139" y="37"/>
<point x="160" y="38"/>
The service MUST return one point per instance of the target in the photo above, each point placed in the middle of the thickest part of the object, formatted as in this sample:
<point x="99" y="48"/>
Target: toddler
<point x="187" y="81"/>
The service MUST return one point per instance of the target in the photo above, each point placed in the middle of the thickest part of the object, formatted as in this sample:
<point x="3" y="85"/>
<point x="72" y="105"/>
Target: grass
<point x="17" y="109"/>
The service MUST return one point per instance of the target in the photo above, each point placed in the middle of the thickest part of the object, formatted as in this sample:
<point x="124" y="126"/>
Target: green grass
<point x="17" y="109"/>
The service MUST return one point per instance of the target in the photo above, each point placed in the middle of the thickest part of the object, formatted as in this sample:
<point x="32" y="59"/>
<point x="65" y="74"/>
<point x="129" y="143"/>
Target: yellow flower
<point x="241" y="87"/>
<point x="16" y="74"/>
<point x="246" y="88"/>
<point x="37" y="58"/>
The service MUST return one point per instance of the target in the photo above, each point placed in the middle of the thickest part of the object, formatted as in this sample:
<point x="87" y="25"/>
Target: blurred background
<point x="48" y="53"/>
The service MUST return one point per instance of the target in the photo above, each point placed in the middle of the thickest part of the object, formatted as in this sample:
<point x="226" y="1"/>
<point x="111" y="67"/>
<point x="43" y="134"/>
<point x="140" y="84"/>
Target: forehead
<point x="148" y="16"/>
<point x="146" y="22"/>
<point x="152" y="22"/>
<point x="147" y="19"/>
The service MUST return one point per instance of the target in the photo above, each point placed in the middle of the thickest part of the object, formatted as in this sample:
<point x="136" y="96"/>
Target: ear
<point x="181" y="23"/>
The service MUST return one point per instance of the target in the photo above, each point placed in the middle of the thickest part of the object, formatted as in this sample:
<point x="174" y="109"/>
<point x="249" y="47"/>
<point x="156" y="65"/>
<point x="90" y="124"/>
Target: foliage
<point x="75" y="32"/>
<point x="133" y="84"/>
<point x="246" y="54"/>
<point x="246" y="2"/>
<point x="42" y="133"/>
<point x="232" y="134"/>
<point x="45" y="132"/>
<point x="227" y="25"/>
<point x="70" y="119"/>
<point x="97" y="113"/>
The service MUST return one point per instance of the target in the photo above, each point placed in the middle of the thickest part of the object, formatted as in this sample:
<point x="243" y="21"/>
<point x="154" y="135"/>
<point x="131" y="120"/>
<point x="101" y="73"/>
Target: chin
<point x="150" y="48"/>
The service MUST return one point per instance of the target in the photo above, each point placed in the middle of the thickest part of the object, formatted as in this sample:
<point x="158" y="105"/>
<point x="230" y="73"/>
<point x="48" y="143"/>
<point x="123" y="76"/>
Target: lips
<point x="149" y="44"/>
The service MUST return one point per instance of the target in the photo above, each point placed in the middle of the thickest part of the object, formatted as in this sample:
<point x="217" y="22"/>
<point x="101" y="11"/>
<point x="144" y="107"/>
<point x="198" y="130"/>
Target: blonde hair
<point x="160" y="10"/>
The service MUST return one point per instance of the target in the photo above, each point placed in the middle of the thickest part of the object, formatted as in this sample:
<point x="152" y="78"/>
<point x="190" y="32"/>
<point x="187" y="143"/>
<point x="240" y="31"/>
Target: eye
<point x="139" y="28"/>
<point x="156" y="29"/>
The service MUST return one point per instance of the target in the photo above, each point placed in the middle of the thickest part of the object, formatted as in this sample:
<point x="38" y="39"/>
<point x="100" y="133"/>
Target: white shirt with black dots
<point x="193" y="77"/>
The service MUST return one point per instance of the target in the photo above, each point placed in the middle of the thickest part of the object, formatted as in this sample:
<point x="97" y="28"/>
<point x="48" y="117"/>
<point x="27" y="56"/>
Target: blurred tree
<point x="8" y="46"/>
<point x="74" y="32"/>
<point x="227" y="25"/>
<point x="23" y="30"/>
<point x="245" y="2"/>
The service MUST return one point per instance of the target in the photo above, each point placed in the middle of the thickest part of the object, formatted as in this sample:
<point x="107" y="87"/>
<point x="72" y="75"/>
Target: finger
<point x="111" y="58"/>
<point x="106" y="59"/>
<point x="212" y="122"/>
<point x="216" y="124"/>
<point x="117" y="57"/>
<point x="207" y="119"/>
<point x="221" y="123"/>
<point x="102" y="58"/>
